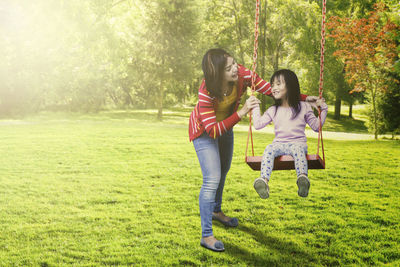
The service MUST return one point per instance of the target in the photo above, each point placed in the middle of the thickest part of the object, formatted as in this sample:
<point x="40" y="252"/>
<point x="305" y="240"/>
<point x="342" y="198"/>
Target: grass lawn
<point x="119" y="188"/>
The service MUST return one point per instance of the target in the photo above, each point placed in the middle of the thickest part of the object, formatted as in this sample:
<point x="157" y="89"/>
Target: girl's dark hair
<point x="213" y="65"/>
<point x="293" y="90"/>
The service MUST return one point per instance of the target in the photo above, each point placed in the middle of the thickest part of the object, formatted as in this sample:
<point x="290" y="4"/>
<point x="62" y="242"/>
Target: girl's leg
<point x="267" y="164"/>
<point x="225" y="145"/>
<point x="261" y="184"/>
<point x="208" y="154"/>
<point x="299" y="152"/>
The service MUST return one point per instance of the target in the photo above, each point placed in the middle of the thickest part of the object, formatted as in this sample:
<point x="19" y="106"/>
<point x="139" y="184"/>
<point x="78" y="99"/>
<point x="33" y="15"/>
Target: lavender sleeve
<point x="313" y="121"/>
<point x="259" y="121"/>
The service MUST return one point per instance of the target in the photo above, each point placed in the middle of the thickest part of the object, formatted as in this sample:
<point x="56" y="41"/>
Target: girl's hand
<point x="312" y="100"/>
<point x="250" y="103"/>
<point x="321" y="103"/>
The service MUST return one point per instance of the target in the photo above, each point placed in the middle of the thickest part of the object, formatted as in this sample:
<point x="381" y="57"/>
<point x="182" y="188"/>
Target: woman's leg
<point x="208" y="154"/>
<point x="225" y="144"/>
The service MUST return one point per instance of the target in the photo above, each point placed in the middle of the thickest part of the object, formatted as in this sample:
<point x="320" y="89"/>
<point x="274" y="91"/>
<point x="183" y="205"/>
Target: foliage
<point x="99" y="54"/>
<point x="368" y="50"/>
<point x="169" y="48"/>
<point x="389" y="104"/>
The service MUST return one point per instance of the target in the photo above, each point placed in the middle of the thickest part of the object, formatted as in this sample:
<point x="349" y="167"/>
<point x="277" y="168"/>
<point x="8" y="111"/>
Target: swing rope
<point x="253" y="76"/>
<point x="321" y="77"/>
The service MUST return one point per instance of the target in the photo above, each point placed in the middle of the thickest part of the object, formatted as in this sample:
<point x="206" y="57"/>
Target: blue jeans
<point x="297" y="150"/>
<point x="215" y="157"/>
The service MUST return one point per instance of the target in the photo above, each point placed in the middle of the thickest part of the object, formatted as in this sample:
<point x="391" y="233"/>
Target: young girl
<point x="290" y="116"/>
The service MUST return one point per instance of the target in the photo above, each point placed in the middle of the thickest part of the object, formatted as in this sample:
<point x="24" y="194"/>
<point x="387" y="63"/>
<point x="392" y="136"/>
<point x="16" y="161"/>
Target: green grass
<point x="119" y="188"/>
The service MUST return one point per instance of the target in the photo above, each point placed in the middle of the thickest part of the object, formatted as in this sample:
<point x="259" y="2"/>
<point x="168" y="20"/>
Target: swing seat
<point x="286" y="162"/>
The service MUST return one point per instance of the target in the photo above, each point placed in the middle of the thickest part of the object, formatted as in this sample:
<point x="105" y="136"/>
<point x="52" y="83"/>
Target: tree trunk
<point x="128" y="97"/>
<point x="375" y="116"/>
<point x="160" y="102"/>
<point x="339" y="92"/>
<point x="239" y="31"/>
<point x="338" y="104"/>
<point x="113" y="97"/>
<point x="351" y="107"/>
<point x="276" y="61"/>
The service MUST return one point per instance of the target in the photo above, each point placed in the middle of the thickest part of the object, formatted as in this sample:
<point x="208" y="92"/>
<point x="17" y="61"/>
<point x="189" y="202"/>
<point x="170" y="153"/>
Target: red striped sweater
<point x="203" y="116"/>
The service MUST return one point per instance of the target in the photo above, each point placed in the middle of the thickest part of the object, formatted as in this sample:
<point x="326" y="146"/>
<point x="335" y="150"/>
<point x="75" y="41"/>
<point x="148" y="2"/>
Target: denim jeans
<point x="215" y="157"/>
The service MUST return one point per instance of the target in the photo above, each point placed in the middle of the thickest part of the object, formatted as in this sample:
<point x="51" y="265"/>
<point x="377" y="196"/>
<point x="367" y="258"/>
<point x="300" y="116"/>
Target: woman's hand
<point x="250" y="103"/>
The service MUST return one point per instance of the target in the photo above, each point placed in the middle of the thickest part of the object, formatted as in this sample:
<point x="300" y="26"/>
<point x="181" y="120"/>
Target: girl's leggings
<point x="297" y="150"/>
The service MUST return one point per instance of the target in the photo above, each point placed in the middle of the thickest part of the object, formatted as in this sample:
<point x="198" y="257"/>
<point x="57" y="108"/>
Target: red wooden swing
<point x="286" y="162"/>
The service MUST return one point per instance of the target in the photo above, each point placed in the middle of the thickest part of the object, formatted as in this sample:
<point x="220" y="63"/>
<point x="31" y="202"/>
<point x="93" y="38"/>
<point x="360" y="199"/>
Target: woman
<point x="210" y="129"/>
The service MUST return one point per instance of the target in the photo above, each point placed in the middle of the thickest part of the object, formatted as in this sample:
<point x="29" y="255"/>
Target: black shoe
<point x="233" y="222"/>
<point x="217" y="247"/>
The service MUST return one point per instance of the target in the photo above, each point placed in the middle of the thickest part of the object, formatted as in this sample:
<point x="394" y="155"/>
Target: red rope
<point x="321" y="78"/>
<point x="253" y="76"/>
<point x="256" y="31"/>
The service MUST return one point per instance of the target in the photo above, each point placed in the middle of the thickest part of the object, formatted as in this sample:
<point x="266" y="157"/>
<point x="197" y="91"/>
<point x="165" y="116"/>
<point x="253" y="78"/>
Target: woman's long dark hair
<point x="292" y="87"/>
<point x="213" y="65"/>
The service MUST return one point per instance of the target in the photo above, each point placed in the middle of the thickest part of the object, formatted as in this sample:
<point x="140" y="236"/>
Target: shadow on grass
<point x="345" y="124"/>
<point x="287" y="252"/>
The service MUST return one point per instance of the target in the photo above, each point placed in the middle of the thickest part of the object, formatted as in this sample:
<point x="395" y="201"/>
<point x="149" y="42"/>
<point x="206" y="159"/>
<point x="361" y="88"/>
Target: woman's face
<point x="231" y="70"/>
<point x="279" y="90"/>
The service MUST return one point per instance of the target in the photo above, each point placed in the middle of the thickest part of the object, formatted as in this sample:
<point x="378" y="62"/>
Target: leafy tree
<point x="367" y="48"/>
<point x="389" y="104"/>
<point x="229" y="25"/>
<point x="168" y="51"/>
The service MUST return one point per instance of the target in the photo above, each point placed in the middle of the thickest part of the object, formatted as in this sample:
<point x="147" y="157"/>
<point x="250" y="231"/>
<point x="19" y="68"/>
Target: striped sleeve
<point x="208" y="118"/>
<point x="262" y="86"/>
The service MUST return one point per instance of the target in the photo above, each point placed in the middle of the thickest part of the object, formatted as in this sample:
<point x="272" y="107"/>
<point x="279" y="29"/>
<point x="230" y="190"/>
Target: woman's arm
<point x="261" y="86"/>
<point x="207" y="114"/>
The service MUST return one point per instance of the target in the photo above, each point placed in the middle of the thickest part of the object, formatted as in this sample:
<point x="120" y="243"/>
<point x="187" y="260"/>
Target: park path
<point x="326" y="135"/>
<point x="244" y="128"/>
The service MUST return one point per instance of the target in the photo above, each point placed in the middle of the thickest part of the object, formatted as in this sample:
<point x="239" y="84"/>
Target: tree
<point x="169" y="41"/>
<point x="367" y="48"/>
<point x="229" y="25"/>
<point x="389" y="104"/>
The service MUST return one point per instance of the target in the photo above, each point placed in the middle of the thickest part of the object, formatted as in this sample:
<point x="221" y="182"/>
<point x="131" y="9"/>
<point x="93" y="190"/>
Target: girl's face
<point x="279" y="90"/>
<point x="231" y="70"/>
